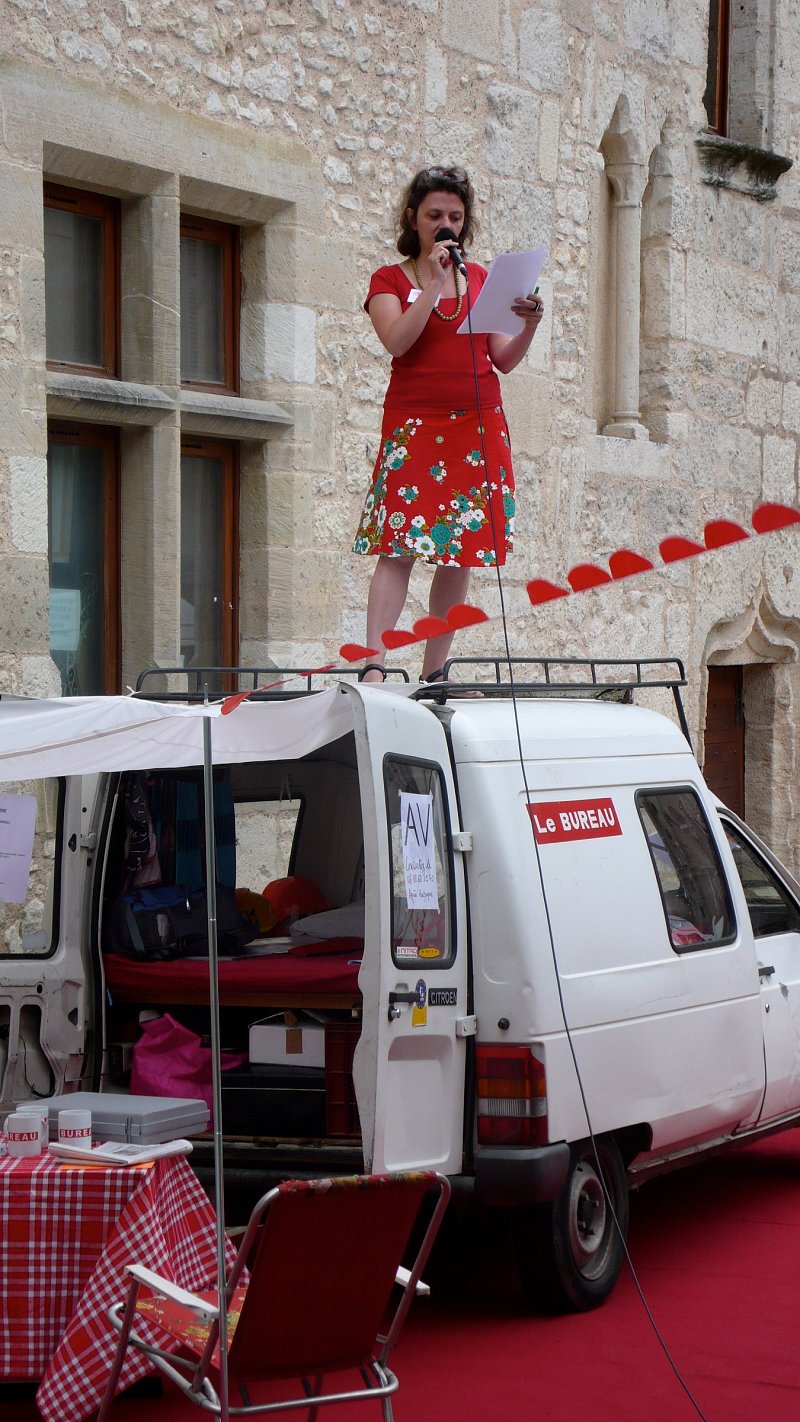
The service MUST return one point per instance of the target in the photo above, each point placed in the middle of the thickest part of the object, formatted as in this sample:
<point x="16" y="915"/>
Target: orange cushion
<point x="294" y="897"/>
<point x="257" y="909"/>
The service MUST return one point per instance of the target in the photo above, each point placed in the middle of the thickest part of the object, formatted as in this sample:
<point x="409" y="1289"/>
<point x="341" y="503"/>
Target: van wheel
<point x="571" y="1250"/>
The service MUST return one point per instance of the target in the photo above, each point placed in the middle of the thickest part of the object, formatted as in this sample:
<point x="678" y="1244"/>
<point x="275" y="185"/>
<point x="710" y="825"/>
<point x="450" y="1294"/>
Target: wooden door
<point x="724" y="736"/>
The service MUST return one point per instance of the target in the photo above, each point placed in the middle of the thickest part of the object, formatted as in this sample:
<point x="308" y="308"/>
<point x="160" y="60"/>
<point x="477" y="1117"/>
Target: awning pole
<point x="216" y="1060"/>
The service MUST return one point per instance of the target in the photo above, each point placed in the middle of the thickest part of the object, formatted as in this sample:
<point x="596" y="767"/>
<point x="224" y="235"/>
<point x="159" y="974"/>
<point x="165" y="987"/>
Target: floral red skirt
<point x="429" y="497"/>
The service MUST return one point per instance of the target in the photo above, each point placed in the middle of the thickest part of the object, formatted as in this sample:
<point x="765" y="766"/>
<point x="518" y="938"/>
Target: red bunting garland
<point x="624" y="563"/>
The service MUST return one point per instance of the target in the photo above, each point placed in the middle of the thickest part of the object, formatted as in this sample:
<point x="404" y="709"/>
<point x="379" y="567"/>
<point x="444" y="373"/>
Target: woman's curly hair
<point x="434" y="180"/>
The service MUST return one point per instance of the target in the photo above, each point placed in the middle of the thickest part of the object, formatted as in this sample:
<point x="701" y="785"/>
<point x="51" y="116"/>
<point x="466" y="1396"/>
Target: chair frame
<point x="191" y="1375"/>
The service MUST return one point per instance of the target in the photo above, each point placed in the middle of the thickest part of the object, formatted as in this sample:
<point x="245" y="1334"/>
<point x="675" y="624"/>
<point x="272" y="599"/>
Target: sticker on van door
<point x="557" y="821"/>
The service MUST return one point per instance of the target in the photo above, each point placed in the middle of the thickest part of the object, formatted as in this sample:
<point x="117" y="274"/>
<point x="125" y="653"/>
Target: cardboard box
<point x="276" y="1041"/>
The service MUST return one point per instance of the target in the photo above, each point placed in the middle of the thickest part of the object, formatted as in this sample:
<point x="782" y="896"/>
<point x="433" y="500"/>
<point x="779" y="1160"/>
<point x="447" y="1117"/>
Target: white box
<point x="274" y="1041"/>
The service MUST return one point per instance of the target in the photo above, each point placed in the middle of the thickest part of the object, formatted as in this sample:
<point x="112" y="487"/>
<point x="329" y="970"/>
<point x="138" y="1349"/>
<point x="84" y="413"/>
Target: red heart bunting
<point x="231" y="702"/>
<point x="624" y="563"/>
<point x="540" y="590"/>
<point x="430" y="627"/>
<point x="720" y="532"/>
<point x="768" y="518"/>
<point x="462" y="615"/>
<point x="587" y="575"/>
<point x="351" y="652"/>
<point x="393" y="638"/>
<point x="673" y="549"/>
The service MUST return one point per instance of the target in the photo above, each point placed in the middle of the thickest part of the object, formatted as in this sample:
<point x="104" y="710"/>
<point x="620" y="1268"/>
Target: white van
<point x="508" y="954"/>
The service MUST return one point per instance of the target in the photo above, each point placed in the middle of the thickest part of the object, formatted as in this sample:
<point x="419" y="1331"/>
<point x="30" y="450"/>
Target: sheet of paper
<point x="17" y="826"/>
<point x="511" y="274"/>
<point x="419" y="861"/>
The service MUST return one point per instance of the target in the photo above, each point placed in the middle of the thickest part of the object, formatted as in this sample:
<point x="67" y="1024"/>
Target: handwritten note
<point x="17" y="826"/>
<point x="419" y="859"/>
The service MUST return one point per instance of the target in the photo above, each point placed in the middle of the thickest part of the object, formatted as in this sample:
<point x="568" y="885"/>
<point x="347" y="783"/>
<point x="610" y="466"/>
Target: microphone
<point x="446" y="235"/>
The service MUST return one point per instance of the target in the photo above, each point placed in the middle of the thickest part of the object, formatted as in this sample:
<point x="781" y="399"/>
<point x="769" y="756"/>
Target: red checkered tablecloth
<point x="68" y="1233"/>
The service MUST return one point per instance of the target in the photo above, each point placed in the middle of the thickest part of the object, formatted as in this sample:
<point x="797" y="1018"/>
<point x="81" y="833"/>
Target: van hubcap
<point x="587" y="1219"/>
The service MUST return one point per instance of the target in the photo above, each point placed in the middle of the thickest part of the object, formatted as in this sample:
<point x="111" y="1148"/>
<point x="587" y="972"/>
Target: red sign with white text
<point x="557" y="820"/>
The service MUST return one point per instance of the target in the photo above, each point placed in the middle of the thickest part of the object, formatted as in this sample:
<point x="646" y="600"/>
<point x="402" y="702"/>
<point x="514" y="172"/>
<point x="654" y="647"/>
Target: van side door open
<point x="410" y="1061"/>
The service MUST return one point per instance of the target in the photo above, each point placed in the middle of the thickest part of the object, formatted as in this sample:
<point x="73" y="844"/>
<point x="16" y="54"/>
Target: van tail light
<point x="512" y="1097"/>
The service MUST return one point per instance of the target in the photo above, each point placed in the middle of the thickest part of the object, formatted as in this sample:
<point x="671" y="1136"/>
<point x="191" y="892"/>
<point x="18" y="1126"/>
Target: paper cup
<point x="23" y="1134"/>
<point x="75" y="1128"/>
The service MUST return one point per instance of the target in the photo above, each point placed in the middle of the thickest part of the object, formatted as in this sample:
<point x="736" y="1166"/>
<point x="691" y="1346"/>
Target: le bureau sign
<point x="558" y="820"/>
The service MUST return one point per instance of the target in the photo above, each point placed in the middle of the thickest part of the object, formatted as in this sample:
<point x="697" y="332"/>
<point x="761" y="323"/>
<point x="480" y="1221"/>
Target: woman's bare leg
<point x="449" y="586"/>
<point x="387" y="597"/>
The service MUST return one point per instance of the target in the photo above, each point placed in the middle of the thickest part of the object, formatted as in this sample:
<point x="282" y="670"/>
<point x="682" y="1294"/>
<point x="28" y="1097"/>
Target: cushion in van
<point x="344" y="922"/>
<point x="295" y="897"/>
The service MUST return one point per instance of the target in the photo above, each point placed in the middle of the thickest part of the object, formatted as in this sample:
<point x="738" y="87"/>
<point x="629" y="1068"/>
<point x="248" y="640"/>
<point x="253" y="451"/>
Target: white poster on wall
<point x="17" y="826"/>
<point x="419" y="858"/>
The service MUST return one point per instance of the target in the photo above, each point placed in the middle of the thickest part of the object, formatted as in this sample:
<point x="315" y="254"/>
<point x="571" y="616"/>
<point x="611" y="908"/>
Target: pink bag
<point x="171" y="1060"/>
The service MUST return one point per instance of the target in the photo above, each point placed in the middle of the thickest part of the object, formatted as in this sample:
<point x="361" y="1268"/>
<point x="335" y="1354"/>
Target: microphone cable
<point x="551" y="936"/>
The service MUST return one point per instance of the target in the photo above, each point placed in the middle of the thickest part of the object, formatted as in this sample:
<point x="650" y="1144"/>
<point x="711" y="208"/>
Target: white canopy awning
<point x="83" y="735"/>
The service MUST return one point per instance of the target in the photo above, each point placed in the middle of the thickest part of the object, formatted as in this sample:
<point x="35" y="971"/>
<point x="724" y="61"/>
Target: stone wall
<point x="358" y="95"/>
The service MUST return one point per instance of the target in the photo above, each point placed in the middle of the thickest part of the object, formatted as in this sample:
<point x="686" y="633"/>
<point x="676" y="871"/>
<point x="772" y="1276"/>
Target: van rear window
<point x="694" y="891"/>
<point x="28" y="834"/>
<point x="422" y="923"/>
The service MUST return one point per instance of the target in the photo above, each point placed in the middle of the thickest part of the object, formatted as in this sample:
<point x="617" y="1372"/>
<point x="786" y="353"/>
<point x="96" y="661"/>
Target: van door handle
<point x="394" y="998"/>
<point x="765" y="970"/>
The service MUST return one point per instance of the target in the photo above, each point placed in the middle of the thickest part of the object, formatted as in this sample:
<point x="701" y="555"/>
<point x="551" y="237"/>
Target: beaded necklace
<point x="436" y="311"/>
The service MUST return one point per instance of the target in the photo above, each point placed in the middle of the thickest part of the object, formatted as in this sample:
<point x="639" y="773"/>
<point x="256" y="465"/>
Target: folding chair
<point x="318" y="1287"/>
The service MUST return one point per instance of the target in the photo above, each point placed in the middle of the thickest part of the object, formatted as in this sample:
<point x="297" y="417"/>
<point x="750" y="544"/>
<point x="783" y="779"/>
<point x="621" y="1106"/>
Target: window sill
<point x="741" y="167"/>
<point x="228" y="416"/>
<point x="119" y="402"/>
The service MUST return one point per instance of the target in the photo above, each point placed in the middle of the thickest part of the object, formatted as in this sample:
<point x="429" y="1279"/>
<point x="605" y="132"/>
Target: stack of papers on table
<point x="118" y="1152"/>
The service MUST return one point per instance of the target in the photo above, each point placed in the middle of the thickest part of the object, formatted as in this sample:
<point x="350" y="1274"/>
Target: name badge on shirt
<point x="414" y="292"/>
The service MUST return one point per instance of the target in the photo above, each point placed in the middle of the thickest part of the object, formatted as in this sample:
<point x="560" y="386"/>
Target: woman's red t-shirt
<point x="436" y="372"/>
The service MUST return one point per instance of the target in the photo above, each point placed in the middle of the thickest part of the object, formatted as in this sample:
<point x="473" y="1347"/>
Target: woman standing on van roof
<point x="428" y="499"/>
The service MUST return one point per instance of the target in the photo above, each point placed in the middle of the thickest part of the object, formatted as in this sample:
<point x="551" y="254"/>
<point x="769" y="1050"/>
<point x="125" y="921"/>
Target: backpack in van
<point x="171" y="921"/>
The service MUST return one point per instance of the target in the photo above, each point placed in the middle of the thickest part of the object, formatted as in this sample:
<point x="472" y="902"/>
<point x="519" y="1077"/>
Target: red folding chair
<point x="319" y="1287"/>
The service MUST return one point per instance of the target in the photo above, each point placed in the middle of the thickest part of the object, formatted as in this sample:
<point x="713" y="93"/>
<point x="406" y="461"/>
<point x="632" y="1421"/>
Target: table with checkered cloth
<point x="67" y="1234"/>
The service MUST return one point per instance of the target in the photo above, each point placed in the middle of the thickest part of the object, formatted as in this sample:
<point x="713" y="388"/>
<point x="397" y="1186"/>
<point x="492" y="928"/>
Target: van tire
<point x="570" y="1251"/>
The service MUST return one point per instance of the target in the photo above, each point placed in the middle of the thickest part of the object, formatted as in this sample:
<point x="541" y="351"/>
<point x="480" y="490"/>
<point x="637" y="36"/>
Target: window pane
<point x="30" y="821"/>
<point x="202" y="593"/>
<point x="693" y="887"/>
<point x="73" y="265"/>
<point x="770" y="908"/>
<point x="421" y="915"/>
<point x="202" y="311"/>
<point x="76" y="494"/>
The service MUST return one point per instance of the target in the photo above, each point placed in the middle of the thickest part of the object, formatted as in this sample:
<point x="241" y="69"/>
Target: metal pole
<point x="216" y="1065"/>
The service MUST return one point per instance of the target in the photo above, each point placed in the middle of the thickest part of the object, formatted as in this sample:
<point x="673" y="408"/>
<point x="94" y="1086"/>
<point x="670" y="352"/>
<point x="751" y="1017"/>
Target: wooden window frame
<point x="228" y="238"/>
<point x="107" y="210"/>
<point x="228" y="452"/>
<point x="717" y="84"/>
<point x="107" y="439"/>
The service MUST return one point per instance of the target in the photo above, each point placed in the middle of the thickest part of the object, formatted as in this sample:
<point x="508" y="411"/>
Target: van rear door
<point x="410" y="1061"/>
<point x="43" y="1008"/>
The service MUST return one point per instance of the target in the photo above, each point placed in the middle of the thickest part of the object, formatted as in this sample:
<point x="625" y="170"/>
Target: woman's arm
<point x="506" y="352"/>
<point x="396" y="329"/>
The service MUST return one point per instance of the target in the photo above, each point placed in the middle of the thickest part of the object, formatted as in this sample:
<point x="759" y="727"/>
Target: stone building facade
<point x="662" y="391"/>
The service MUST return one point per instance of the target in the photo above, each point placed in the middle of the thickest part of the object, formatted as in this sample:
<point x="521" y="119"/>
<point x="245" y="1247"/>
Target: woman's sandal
<point x="452" y="688"/>
<point x="372" y="666"/>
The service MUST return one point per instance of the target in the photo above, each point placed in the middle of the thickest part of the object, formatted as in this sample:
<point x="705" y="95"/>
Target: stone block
<point x="24" y="625"/>
<point x="23" y="427"/>
<point x="716" y="314"/>
<point x="511" y="129"/>
<point x="40" y="677"/>
<point x="448" y="141"/>
<point x="28" y="500"/>
<point x="647" y="30"/>
<point x="519" y="216"/>
<point x="789" y="246"/>
<point x="473" y="27"/>
<point x="664" y="292"/>
<point x="791" y="407"/>
<point x="549" y="130"/>
<point x="779" y="481"/>
<point x="31" y="307"/>
<point x="528" y="401"/>
<point x="435" y="77"/>
<point x="764" y="400"/>
<point x="278" y="342"/>
<point x="21" y="208"/>
<point x="543" y="51"/>
<point x="788" y="344"/>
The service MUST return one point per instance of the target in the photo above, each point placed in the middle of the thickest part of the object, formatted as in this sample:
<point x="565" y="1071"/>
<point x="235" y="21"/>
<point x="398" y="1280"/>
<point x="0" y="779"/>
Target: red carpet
<point x="717" y="1249"/>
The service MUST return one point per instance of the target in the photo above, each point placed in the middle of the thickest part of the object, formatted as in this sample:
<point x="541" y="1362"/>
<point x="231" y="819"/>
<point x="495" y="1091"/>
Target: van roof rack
<point x="601" y="678"/>
<point x="264" y="683"/>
